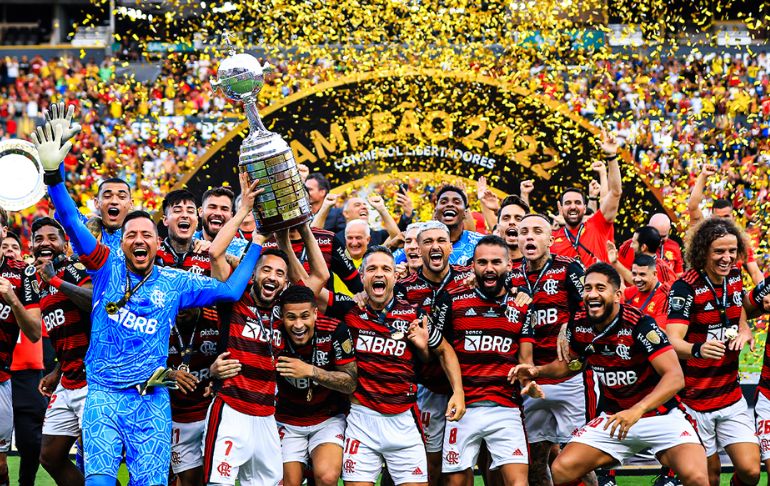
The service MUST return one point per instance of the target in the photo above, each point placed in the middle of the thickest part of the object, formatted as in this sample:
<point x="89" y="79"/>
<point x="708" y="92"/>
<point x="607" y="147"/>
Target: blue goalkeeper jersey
<point x="127" y="347"/>
<point x="235" y="248"/>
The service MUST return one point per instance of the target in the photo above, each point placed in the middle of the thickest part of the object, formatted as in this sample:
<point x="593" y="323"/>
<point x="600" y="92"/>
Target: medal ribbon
<point x="129" y="292"/>
<point x="589" y="350"/>
<point x="533" y="288"/>
<point x="721" y="306"/>
<point x="185" y="351"/>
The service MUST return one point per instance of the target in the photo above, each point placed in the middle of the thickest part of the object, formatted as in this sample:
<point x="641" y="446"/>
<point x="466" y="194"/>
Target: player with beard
<point x="19" y="309"/>
<point x="65" y="291"/>
<point x="707" y="327"/>
<point x="317" y="370"/>
<point x="127" y="407"/>
<point x="587" y="241"/>
<point x="433" y="277"/>
<point x="490" y="333"/>
<point x="451" y="206"/>
<point x="217" y="207"/>
<point x="639" y="377"/>
<point x="512" y="210"/>
<point x="555" y="285"/>
<point x="389" y="335"/>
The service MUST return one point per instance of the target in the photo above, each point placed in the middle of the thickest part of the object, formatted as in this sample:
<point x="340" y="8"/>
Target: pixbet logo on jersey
<point x="482" y="343"/>
<point x="380" y="345"/>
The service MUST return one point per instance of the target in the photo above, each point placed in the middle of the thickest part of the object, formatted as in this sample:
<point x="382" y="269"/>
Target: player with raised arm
<point x="555" y="284"/>
<point x="639" y="377"/>
<point x="490" y="333"/>
<point x="134" y="306"/>
<point x="389" y="335"/>
<point x="65" y="291"/>
<point x="707" y="327"/>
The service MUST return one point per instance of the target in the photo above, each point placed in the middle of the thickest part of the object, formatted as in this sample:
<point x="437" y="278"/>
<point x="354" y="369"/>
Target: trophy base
<point x="284" y="203"/>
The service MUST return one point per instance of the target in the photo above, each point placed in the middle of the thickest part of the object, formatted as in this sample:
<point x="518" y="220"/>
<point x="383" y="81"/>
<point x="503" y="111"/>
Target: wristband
<point x="610" y="157"/>
<point x="52" y="177"/>
<point x="56" y="282"/>
<point x="696" y="350"/>
<point x="593" y="198"/>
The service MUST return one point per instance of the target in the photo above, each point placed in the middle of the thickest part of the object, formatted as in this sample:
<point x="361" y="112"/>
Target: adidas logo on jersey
<point x="708" y="307"/>
<point x="685" y="434"/>
<point x="364" y="316"/>
<point x="427" y="301"/>
<point x="417" y="471"/>
<point x="517" y="452"/>
<point x="470" y="312"/>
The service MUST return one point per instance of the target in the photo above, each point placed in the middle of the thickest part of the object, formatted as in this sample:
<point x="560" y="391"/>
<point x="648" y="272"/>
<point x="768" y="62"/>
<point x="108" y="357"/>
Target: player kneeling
<point x="317" y="370"/>
<point x="639" y="377"/>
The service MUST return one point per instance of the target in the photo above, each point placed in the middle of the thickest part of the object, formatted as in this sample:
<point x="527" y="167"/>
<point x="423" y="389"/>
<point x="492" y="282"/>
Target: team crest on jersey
<point x="208" y="348"/>
<point x="623" y="352"/>
<point x="669" y="255"/>
<point x="321" y="358"/>
<point x="651" y="307"/>
<point x="158" y="297"/>
<point x="512" y="314"/>
<point x="551" y="286"/>
<point x="737" y="299"/>
<point x="195" y="270"/>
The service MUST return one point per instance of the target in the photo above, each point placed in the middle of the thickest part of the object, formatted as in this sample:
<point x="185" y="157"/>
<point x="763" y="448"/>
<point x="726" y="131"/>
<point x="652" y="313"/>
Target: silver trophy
<point x="264" y="155"/>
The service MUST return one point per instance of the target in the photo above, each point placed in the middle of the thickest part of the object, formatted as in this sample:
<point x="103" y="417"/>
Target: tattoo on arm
<point x="343" y="380"/>
<point x="232" y="260"/>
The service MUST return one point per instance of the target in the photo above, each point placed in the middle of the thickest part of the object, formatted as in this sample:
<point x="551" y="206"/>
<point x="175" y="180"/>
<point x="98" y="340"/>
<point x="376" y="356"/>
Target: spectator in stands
<point x="318" y="188"/>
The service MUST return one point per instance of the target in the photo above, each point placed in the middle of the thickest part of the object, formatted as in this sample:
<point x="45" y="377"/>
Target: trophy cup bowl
<point x="264" y="155"/>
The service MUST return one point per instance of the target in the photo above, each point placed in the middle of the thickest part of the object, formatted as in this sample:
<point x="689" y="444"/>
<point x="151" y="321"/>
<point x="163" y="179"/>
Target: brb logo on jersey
<point x="132" y="321"/>
<point x="616" y="378"/>
<point x="480" y="343"/>
<point x="380" y="345"/>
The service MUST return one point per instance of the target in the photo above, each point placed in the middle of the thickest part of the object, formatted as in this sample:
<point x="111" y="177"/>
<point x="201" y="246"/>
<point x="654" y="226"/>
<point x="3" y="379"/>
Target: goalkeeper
<point x="135" y="305"/>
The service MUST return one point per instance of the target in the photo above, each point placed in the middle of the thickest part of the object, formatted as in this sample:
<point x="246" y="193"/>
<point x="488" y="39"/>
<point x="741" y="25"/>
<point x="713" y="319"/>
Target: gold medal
<point x="575" y="365"/>
<point x="183" y="367"/>
<point x="111" y="308"/>
<point x="309" y="396"/>
<point x="397" y="335"/>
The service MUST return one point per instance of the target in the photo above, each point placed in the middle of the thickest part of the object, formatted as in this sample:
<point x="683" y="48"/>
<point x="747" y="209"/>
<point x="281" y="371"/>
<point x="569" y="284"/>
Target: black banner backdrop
<point x="434" y="122"/>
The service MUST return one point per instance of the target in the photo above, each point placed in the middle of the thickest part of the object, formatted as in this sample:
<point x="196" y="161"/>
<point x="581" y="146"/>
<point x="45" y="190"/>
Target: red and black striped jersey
<point x="199" y="339"/>
<point x="664" y="269"/>
<point x="487" y="335"/>
<point x="387" y="374"/>
<point x="22" y="278"/>
<point x="653" y="303"/>
<point x="557" y="292"/>
<point x="334" y="255"/>
<point x="419" y="291"/>
<point x="198" y="263"/>
<point x="301" y="402"/>
<point x="68" y="326"/>
<point x="621" y="358"/>
<point x="253" y="337"/>
<point x="693" y="301"/>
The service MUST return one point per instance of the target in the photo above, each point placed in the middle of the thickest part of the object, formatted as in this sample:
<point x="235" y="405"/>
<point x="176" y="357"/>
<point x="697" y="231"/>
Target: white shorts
<point x="297" y="443"/>
<point x="64" y="415"/>
<point x="433" y="417"/>
<point x="6" y="416"/>
<point x="658" y="433"/>
<point x="726" y="426"/>
<point x="186" y="441"/>
<point x="501" y="428"/>
<point x="372" y="437"/>
<point x="762" y="419"/>
<point x="555" y="417"/>
<point x="240" y="446"/>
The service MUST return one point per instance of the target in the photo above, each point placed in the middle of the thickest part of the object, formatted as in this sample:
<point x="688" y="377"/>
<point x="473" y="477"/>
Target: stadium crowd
<point x="222" y="354"/>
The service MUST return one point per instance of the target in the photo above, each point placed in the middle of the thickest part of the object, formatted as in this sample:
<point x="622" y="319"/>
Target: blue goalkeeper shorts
<point x="115" y="421"/>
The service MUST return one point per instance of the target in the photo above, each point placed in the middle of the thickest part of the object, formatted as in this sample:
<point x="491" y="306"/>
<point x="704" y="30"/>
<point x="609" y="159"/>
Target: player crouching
<point x="639" y="377"/>
<point x="317" y="370"/>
